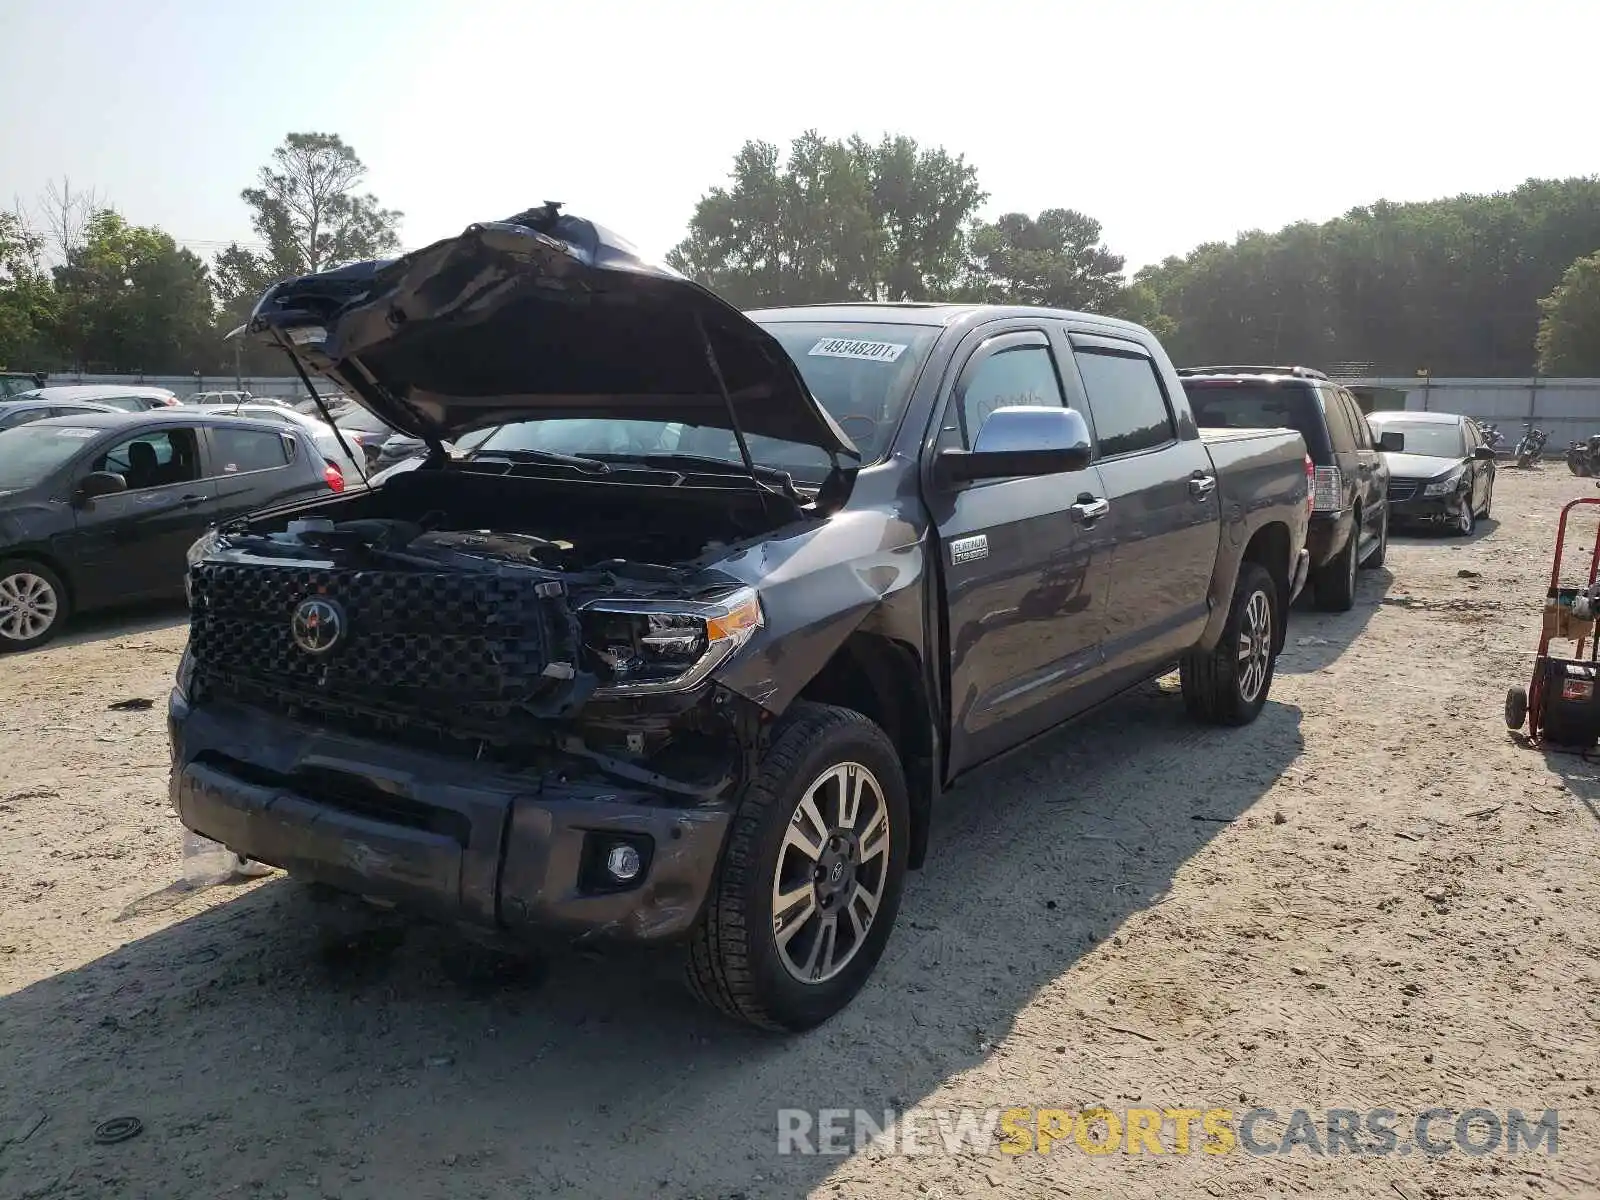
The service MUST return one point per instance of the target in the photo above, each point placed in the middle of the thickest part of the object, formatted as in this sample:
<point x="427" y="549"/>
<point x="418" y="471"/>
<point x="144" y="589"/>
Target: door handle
<point x="1201" y="486"/>
<point x="1089" y="508"/>
<point x="189" y="501"/>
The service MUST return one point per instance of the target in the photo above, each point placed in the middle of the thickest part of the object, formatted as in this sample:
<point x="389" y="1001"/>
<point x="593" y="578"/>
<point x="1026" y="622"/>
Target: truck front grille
<point x="398" y="641"/>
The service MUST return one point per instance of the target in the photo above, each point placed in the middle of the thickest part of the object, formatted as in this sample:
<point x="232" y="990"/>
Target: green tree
<point x="132" y="300"/>
<point x="833" y="221"/>
<point x="1569" y="325"/>
<point x="28" y="302"/>
<point x="1057" y="261"/>
<point x="309" y="212"/>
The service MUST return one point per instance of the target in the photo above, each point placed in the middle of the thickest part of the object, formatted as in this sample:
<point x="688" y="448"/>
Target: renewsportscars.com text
<point x="1099" y="1131"/>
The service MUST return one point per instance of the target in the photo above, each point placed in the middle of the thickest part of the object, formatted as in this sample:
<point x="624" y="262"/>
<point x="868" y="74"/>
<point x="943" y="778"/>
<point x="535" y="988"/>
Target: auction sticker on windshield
<point x="850" y="348"/>
<point x="75" y="432"/>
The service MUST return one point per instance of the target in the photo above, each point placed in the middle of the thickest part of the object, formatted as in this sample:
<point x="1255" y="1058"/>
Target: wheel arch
<point x="44" y="558"/>
<point x="882" y="679"/>
<point x="1270" y="547"/>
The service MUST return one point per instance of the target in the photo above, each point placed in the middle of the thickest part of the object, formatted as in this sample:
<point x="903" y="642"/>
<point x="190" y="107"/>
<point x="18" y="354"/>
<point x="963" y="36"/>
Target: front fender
<point x="858" y="570"/>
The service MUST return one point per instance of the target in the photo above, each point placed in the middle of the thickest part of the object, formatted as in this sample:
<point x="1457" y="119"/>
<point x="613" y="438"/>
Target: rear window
<point x="240" y="450"/>
<point x="1224" y="404"/>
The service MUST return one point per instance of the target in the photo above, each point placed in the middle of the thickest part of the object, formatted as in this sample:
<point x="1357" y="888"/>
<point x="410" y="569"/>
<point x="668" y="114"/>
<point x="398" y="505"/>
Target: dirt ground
<point x="1372" y="898"/>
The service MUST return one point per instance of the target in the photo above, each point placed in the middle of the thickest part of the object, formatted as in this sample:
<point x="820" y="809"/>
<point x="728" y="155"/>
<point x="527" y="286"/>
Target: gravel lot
<point x="1373" y="897"/>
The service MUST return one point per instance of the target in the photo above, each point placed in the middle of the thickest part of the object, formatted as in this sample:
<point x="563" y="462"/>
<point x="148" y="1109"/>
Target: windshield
<point x="31" y="453"/>
<point x="1437" y="441"/>
<point x="860" y="372"/>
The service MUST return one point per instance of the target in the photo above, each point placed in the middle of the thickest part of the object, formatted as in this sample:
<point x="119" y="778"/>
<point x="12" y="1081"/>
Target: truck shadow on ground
<point x="271" y="1041"/>
<point x="1315" y="639"/>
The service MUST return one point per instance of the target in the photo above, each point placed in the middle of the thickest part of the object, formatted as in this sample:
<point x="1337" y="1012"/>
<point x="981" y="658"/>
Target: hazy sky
<point x="1171" y="121"/>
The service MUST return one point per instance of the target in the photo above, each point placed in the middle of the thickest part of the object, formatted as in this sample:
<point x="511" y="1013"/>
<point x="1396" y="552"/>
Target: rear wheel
<point x="1229" y="686"/>
<point x="33" y="604"/>
<point x="1375" y="559"/>
<point x="1335" y="583"/>
<point x="810" y="879"/>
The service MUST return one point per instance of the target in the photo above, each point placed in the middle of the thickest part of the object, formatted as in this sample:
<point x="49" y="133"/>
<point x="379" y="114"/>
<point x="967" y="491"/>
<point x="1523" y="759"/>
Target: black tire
<point x="734" y="960"/>
<point x="1375" y="559"/>
<point x="1516" y="707"/>
<point x="1215" y="685"/>
<point x="1334" y="585"/>
<point x="21" y="579"/>
<point x="1465" y="523"/>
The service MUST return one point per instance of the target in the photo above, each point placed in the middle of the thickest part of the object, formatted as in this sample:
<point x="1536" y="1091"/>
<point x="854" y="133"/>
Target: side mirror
<point x="1483" y="453"/>
<point x="1023" y="440"/>
<point x="1394" y="443"/>
<point x="101" y="483"/>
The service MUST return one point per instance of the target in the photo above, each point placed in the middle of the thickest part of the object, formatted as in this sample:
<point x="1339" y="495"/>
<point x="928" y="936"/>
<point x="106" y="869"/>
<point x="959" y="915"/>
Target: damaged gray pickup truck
<point x="689" y="646"/>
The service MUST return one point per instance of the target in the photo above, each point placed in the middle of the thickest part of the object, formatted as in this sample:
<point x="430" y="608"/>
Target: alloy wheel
<point x="1255" y="646"/>
<point x="28" y="606"/>
<point x="1464" y="517"/>
<point x="832" y="871"/>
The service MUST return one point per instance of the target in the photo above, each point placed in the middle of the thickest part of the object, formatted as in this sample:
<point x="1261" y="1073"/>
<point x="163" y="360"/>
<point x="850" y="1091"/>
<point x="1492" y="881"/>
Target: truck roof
<point x="910" y="312"/>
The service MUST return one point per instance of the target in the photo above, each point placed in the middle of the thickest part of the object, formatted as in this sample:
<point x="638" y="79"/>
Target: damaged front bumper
<point x="520" y="853"/>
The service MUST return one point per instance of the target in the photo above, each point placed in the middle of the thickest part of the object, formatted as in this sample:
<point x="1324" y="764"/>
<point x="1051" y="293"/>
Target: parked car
<point x="366" y="429"/>
<point x="20" y="411"/>
<point x="101" y="508"/>
<point x="1440" y="471"/>
<point x="323" y="436"/>
<point x="1349" y="518"/>
<point x="219" y="398"/>
<point x="706" y="682"/>
<point x="123" y="397"/>
<point x="14" y="383"/>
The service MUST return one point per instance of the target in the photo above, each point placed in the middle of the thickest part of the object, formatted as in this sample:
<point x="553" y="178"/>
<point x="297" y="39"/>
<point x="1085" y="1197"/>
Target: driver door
<point x="1025" y="571"/>
<point x="134" y="544"/>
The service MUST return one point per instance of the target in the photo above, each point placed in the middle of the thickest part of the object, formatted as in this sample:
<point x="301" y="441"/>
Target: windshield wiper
<point x="592" y="465"/>
<point x="708" y="465"/>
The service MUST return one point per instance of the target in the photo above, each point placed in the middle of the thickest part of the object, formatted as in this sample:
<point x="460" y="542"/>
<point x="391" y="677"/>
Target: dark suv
<point x="1350" y="515"/>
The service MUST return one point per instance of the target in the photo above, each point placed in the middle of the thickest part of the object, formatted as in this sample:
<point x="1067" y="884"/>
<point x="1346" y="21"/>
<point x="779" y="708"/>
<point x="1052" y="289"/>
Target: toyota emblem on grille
<point x="317" y="625"/>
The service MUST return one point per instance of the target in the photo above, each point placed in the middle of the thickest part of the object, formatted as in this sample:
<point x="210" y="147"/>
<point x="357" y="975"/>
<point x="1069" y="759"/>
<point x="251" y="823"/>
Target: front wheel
<point x="1229" y="685"/>
<point x="811" y="876"/>
<point x="33" y="604"/>
<point x="1516" y="707"/>
<point x="1465" y="522"/>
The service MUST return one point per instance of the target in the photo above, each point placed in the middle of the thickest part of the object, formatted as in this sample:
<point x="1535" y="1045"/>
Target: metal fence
<point x="1567" y="409"/>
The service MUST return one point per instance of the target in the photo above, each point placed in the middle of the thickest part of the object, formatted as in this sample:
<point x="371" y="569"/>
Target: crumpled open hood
<point x="544" y="315"/>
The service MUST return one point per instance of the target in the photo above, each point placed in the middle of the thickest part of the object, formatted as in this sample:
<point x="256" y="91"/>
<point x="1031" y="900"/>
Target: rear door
<point x="1164" y="501"/>
<point x="1024" y="563"/>
<point x="254" y="467"/>
<point x="1372" y="474"/>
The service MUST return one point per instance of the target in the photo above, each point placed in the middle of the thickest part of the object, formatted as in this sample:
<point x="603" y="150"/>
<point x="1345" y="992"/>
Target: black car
<point x="1349" y="516"/>
<point x="25" y="411"/>
<point x="1441" y="472"/>
<point x="672" y="655"/>
<point x="102" y="508"/>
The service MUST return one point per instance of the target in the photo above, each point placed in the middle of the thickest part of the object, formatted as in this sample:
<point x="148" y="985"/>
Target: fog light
<point x="623" y="863"/>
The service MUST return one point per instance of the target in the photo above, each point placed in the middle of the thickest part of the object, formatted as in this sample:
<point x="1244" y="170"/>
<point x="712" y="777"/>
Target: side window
<point x="1015" y="375"/>
<point x="1125" y="395"/>
<point x="241" y="450"/>
<point x="1358" y="421"/>
<point x="154" y="459"/>
<point x="1339" y="428"/>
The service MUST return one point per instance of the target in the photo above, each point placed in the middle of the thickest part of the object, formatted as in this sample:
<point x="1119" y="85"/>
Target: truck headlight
<point x="197" y="552"/>
<point x="648" y="646"/>
<point x="1446" y="484"/>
